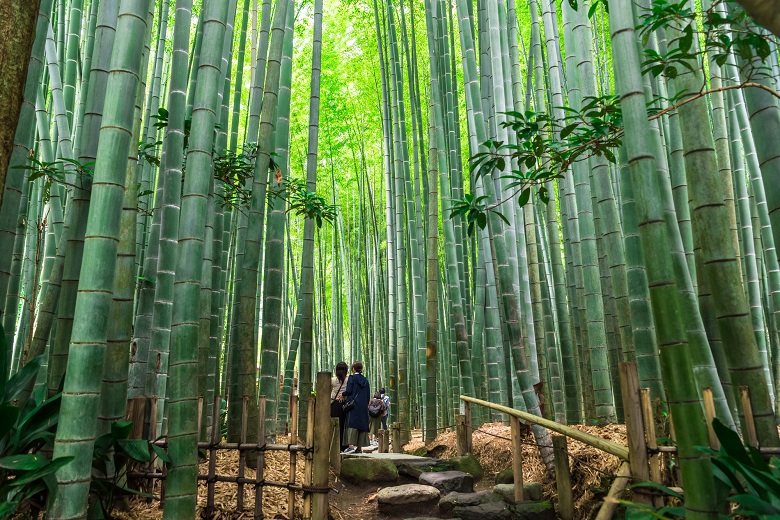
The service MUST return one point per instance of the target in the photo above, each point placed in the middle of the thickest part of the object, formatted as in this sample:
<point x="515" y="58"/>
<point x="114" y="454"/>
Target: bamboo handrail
<point x="605" y="445"/>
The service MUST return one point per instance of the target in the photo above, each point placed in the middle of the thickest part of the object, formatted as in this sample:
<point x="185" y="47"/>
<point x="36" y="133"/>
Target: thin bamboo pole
<point x="610" y="447"/>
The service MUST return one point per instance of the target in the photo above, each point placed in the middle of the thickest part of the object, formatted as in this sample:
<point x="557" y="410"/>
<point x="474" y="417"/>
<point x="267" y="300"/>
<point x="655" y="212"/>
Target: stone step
<point x="365" y="470"/>
<point x="456" y="499"/>
<point x="446" y="481"/>
<point x="407" y="498"/>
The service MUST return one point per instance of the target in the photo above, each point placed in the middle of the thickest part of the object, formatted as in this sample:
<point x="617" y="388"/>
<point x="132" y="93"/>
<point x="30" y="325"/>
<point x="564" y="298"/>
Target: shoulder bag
<point x="336" y="406"/>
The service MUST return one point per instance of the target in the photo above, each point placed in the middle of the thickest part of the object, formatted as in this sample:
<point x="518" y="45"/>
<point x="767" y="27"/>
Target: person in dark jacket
<point x="357" y="420"/>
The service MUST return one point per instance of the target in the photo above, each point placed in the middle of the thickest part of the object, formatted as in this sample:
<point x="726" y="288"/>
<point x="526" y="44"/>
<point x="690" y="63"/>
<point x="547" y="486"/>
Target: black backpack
<point x="376" y="407"/>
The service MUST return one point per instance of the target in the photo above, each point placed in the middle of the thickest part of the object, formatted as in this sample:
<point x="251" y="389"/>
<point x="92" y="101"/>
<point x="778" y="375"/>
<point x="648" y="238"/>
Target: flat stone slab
<point x="406" y="496"/>
<point x="532" y="491"/>
<point x="446" y="481"/>
<point x="365" y="470"/>
<point x="395" y="458"/>
<point x="456" y="499"/>
<point x="416" y="468"/>
<point x="484" y="511"/>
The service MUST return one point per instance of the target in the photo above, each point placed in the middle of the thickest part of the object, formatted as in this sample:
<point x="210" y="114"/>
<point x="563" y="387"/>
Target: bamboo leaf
<point x="522" y="200"/>
<point x="686" y="40"/>
<point x="136" y="449"/>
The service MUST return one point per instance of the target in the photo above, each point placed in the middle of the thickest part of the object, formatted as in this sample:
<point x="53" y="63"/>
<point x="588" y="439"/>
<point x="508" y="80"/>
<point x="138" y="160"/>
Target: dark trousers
<point x="384" y="422"/>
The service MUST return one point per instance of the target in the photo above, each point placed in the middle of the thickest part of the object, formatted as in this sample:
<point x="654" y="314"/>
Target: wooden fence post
<point x="384" y="440"/>
<point x="335" y="445"/>
<point x="136" y="410"/>
<point x="751" y="435"/>
<point x="319" y="507"/>
<point x="517" y="457"/>
<point x="242" y="453"/>
<point x="468" y="426"/>
<point x="294" y="420"/>
<point x="152" y="433"/>
<point x="260" y="469"/>
<point x="396" y="437"/>
<point x="200" y="416"/>
<point x="309" y="457"/>
<point x="651" y="442"/>
<point x="635" y="431"/>
<point x="563" y="478"/>
<point x="709" y="415"/>
<point x="213" y="439"/>
<point x="461" y="435"/>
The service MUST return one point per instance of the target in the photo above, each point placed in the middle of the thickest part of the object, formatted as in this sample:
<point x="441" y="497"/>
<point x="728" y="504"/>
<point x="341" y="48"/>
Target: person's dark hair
<point x="357" y="366"/>
<point x="382" y="391"/>
<point x="377" y="396"/>
<point x="341" y="371"/>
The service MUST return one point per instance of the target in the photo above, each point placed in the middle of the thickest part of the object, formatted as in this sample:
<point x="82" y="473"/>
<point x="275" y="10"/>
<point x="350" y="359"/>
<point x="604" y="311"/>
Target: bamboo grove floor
<point x="592" y="472"/>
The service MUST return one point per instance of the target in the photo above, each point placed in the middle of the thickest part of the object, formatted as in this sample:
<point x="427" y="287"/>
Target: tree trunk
<point x="16" y="38"/>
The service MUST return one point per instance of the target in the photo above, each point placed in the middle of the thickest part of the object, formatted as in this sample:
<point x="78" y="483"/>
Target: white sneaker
<point x="374" y="443"/>
<point x="351" y="449"/>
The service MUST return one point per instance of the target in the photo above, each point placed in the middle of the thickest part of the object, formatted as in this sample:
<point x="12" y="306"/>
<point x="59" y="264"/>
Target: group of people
<point x="360" y="414"/>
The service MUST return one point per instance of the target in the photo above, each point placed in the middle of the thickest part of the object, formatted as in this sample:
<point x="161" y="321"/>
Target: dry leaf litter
<point x="591" y="471"/>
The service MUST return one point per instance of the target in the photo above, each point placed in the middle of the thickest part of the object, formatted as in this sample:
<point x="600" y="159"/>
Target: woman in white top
<point x="337" y="386"/>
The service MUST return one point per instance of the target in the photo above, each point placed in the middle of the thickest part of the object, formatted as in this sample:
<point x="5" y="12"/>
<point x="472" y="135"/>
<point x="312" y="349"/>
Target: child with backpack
<point x="376" y="409"/>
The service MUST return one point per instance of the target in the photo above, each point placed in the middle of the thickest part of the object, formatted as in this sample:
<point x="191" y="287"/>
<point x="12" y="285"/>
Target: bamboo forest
<point x="517" y="225"/>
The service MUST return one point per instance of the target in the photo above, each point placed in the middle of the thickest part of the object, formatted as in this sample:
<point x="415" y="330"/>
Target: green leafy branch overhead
<point x="302" y="202"/>
<point x="722" y="35"/>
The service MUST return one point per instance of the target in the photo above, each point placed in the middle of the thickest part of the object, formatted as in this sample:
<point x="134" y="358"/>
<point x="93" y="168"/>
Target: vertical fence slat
<point x="563" y="478"/>
<point x="309" y="457"/>
<point x="468" y="426"/>
<point x="213" y="438"/>
<point x="517" y="457"/>
<point x="461" y="441"/>
<point x="750" y="421"/>
<point x="293" y="455"/>
<point x="241" y="453"/>
<point x="320" y="471"/>
<point x="632" y="408"/>
<point x="152" y="433"/>
<point x="260" y="470"/>
<point x="200" y="416"/>
<point x="654" y="458"/>
<point x="709" y="414"/>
